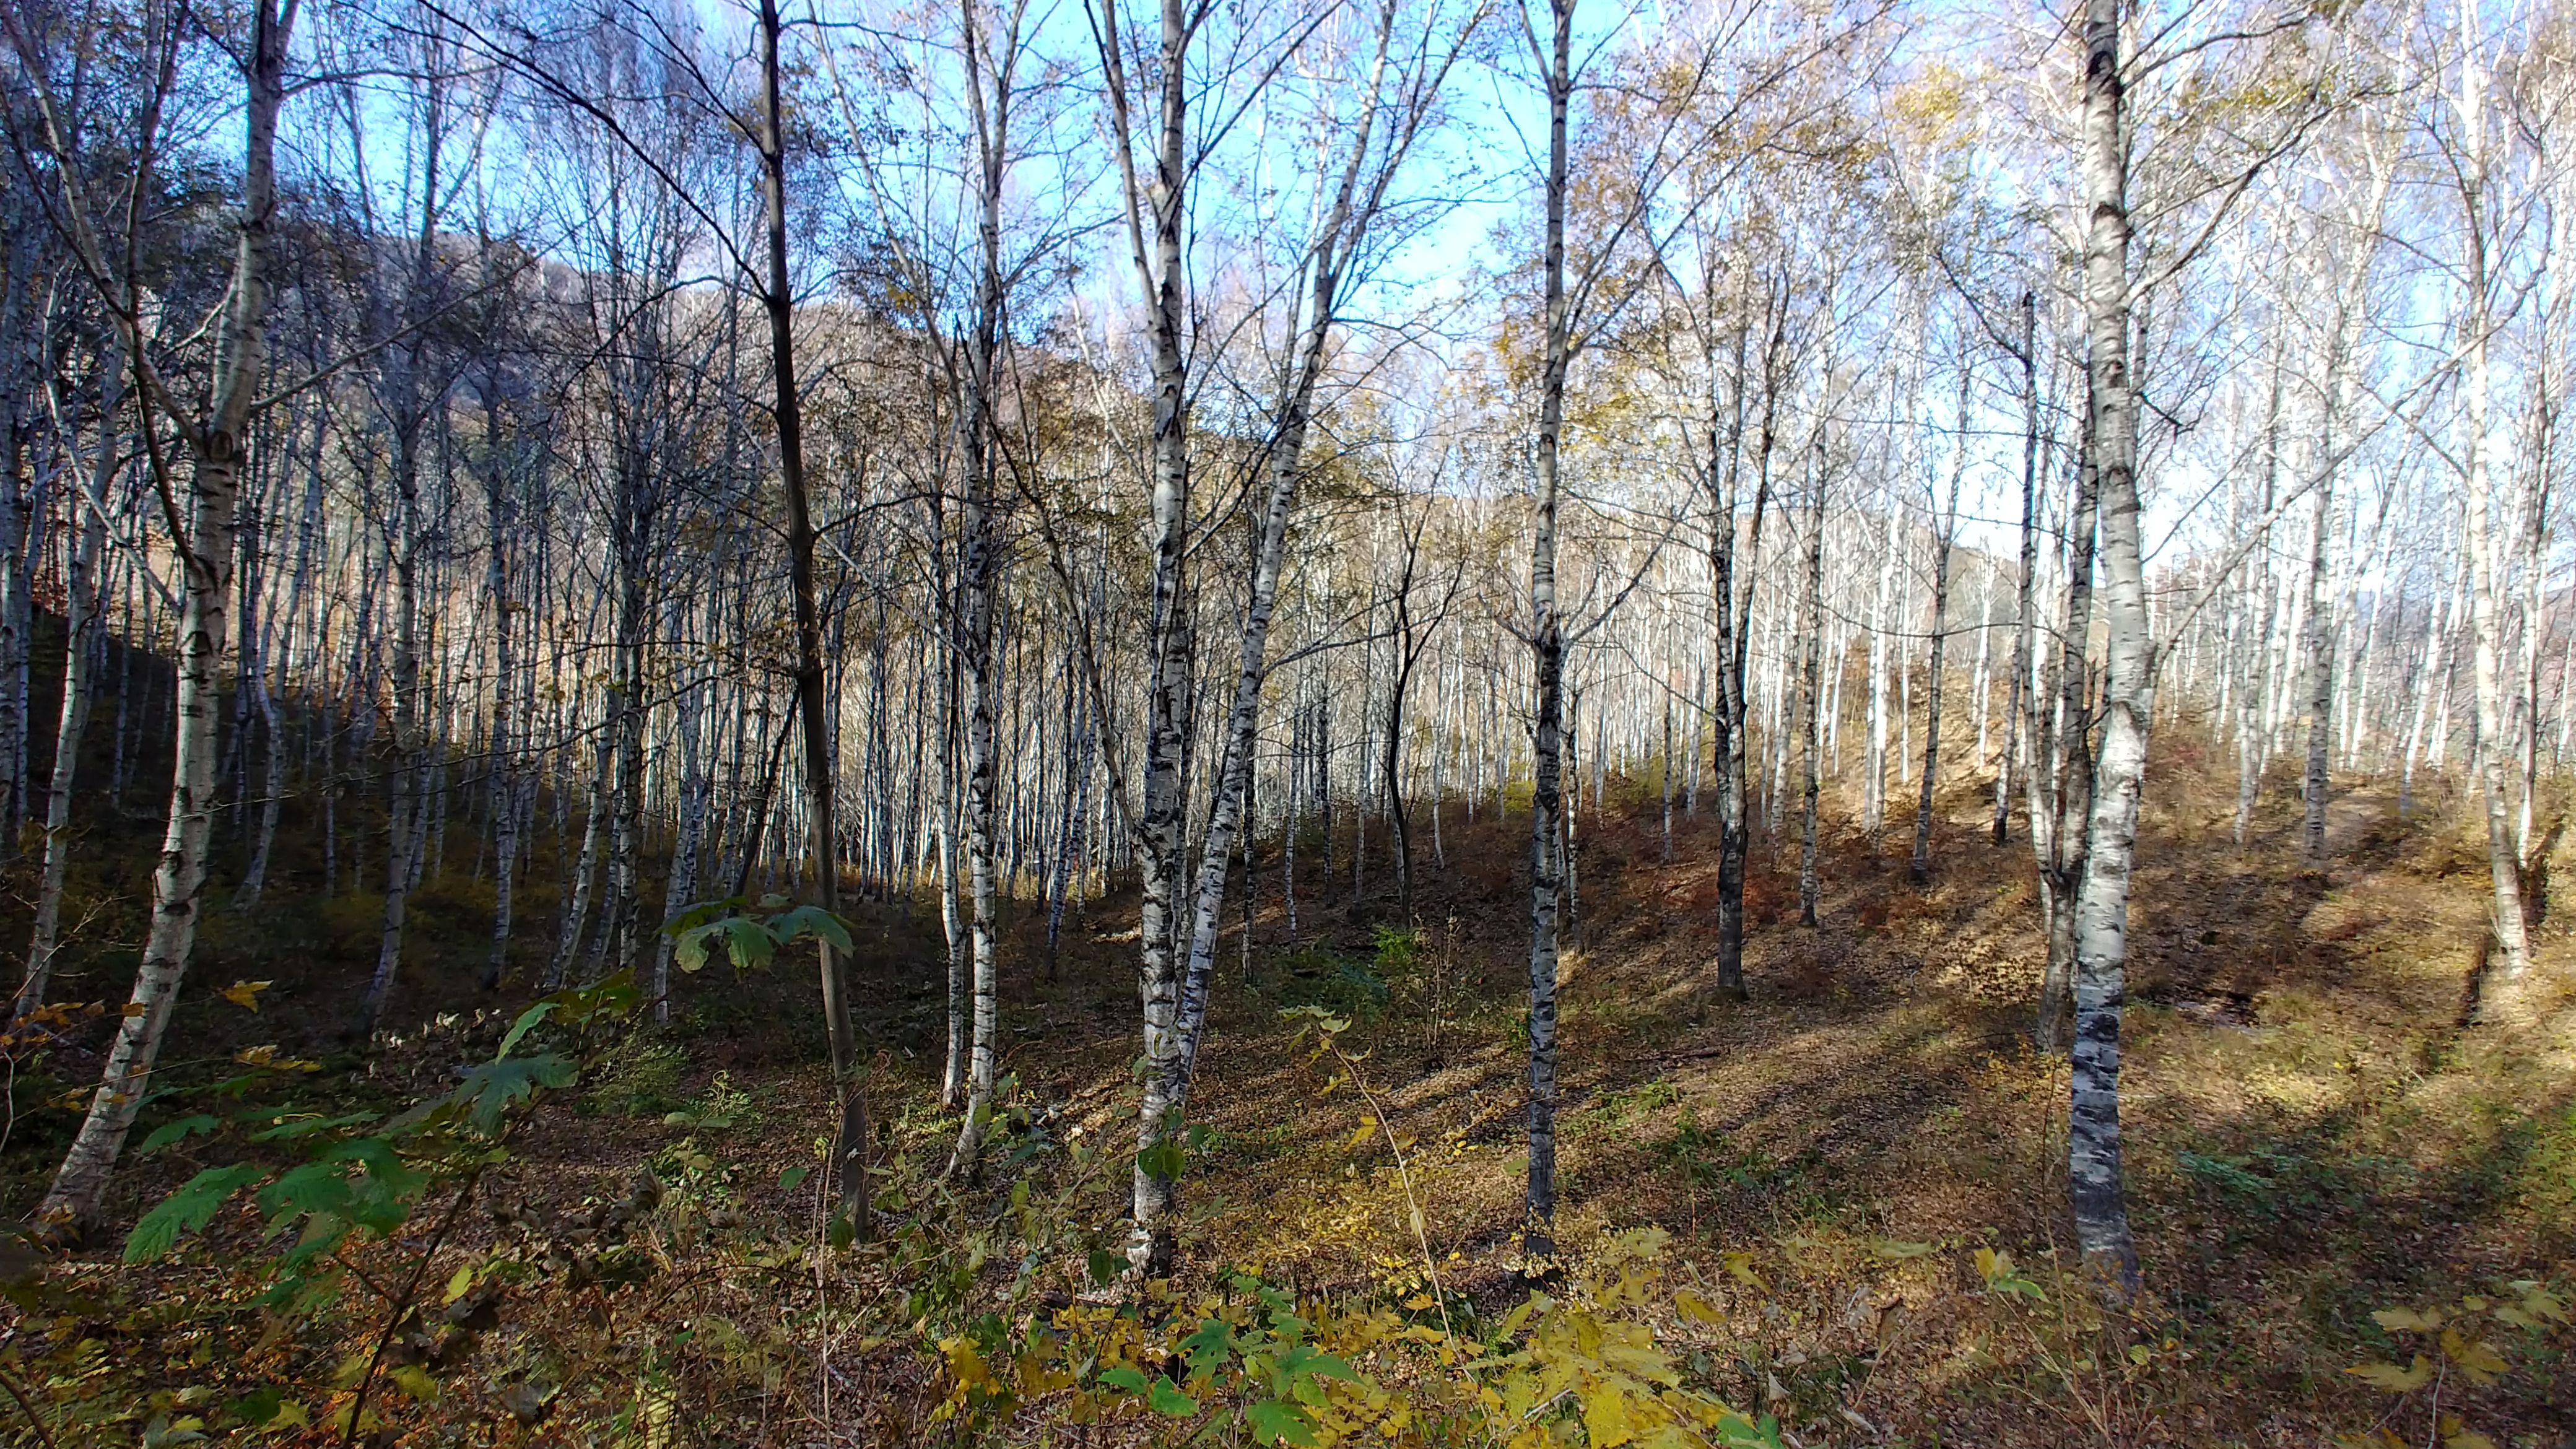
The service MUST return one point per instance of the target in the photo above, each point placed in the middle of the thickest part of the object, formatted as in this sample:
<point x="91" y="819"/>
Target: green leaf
<point x="701" y="913"/>
<point x="170" y="1132"/>
<point x="257" y="1409"/>
<point x="1208" y="1348"/>
<point x="1123" y="1377"/>
<point x="1164" y="1160"/>
<point x="812" y="921"/>
<point x="1105" y="1267"/>
<point x="1304" y="1361"/>
<point x="525" y="1023"/>
<point x="488" y="1090"/>
<point x="309" y="1126"/>
<point x="189" y="1209"/>
<point x="794" y="1175"/>
<point x="1278" y="1423"/>
<point x="1165" y="1397"/>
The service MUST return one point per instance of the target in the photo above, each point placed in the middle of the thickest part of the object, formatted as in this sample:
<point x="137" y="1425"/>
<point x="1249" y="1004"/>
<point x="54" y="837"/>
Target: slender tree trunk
<point x="1810" y="686"/>
<point x="80" y="639"/>
<point x="2066" y="739"/>
<point x="2128" y="695"/>
<point x="215" y="447"/>
<point x="1949" y="523"/>
<point x="1160" y="827"/>
<point x="1734" y="635"/>
<point x="2024" y="620"/>
<point x="849" y="1146"/>
<point x="979" y="562"/>
<point x="1547" y="658"/>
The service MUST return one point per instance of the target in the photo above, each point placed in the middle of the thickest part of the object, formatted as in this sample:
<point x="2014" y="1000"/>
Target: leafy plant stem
<point x="1403" y="1176"/>
<point x="402" y="1305"/>
<point x="44" y="1435"/>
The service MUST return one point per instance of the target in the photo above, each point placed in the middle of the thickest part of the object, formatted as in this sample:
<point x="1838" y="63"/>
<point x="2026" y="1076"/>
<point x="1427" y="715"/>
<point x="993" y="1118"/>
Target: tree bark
<point x="2128" y="695"/>
<point x="849" y="1145"/>
<point x="215" y="443"/>
<point x="1949" y="524"/>
<point x="80" y="639"/>
<point x="1547" y="657"/>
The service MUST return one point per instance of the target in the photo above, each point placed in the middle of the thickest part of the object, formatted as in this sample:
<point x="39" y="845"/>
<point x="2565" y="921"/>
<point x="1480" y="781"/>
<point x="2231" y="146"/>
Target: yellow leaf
<point x="1696" y="1309"/>
<point x="459" y="1283"/>
<point x="2481" y="1363"/>
<point x="2392" y="1378"/>
<point x="415" y="1381"/>
<point x="265" y="1055"/>
<point x="1739" y="1266"/>
<point x="1605" y="1417"/>
<point x="245" y="994"/>
<point x="966" y="1363"/>
<point x="2407" y="1320"/>
<point x="134" y="1009"/>
<point x="1895" y="1248"/>
<point x="2470" y="1439"/>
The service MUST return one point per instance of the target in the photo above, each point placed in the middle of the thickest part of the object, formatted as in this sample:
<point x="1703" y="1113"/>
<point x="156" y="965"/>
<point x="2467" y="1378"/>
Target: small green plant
<point x="357" y="1176"/>
<point x="750" y="932"/>
<point x="1398" y="948"/>
<point x="641" y="1081"/>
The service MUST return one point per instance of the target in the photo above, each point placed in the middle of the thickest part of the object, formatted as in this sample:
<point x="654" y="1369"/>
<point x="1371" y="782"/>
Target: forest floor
<point x="2312" y="1132"/>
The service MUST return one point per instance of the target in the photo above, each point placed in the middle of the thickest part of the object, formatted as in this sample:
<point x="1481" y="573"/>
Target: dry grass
<point x="2311" y="1133"/>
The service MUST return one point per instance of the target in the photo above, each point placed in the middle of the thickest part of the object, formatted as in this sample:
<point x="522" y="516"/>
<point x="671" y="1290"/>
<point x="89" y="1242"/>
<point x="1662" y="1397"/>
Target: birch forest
<point x="1287" y="722"/>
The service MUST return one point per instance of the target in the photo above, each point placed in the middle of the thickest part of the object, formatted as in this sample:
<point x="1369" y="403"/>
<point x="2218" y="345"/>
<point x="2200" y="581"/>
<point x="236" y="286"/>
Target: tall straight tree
<point x="1159" y="208"/>
<point x="212" y="431"/>
<point x="1554" y="53"/>
<point x="778" y="301"/>
<point x="988" y="44"/>
<point x="1398" y="91"/>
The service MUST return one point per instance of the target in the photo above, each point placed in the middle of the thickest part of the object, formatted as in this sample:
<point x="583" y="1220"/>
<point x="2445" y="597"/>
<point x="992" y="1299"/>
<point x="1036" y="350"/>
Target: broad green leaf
<point x="812" y="921"/>
<point x="701" y="913"/>
<point x="488" y="1090"/>
<point x="1274" y="1422"/>
<point x="1123" y="1377"/>
<point x="794" y="1175"/>
<point x="170" y="1132"/>
<point x="189" y="1209"/>
<point x="1163" y="1160"/>
<point x="526" y="1022"/>
<point x="1208" y="1348"/>
<point x="748" y="942"/>
<point x="1302" y="1361"/>
<point x="1165" y="1397"/>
